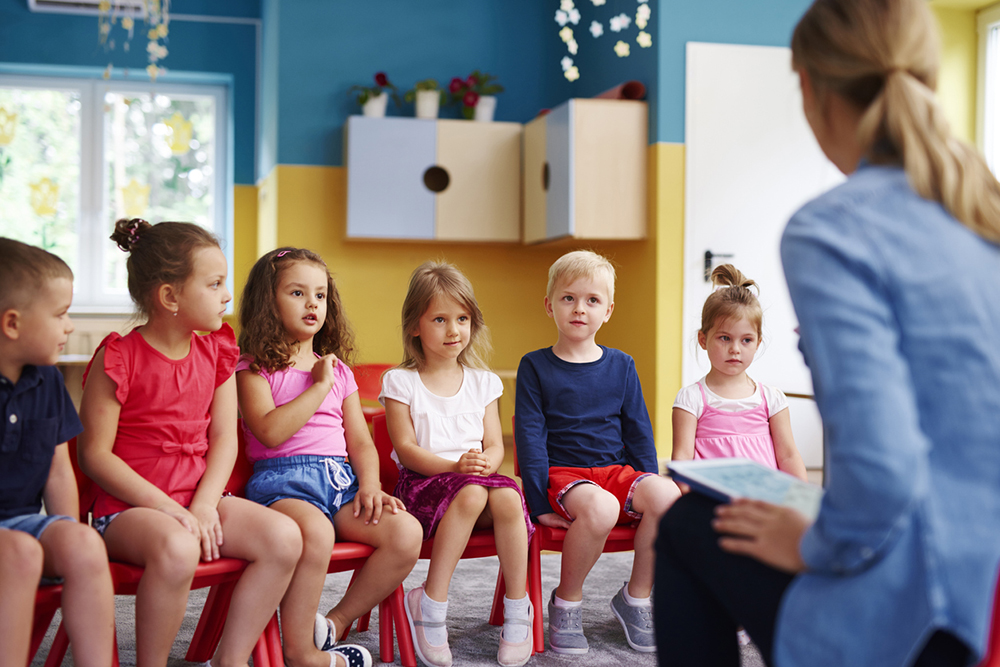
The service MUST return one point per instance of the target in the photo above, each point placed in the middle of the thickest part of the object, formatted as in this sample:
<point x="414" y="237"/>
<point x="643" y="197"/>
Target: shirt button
<point x="13" y="419"/>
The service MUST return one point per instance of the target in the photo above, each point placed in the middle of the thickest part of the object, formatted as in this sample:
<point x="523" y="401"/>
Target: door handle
<point x="709" y="256"/>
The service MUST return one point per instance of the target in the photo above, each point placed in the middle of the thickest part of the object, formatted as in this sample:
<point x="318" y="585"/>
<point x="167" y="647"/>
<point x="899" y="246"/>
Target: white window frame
<point x="988" y="87"/>
<point x="92" y="230"/>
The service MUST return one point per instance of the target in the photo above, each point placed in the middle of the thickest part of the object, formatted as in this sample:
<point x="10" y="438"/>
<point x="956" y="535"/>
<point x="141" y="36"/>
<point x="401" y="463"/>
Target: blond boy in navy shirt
<point x="38" y="418"/>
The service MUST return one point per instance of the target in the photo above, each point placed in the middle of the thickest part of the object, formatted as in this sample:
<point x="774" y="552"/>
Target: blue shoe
<point x="636" y="621"/>
<point x="353" y="655"/>
<point x="566" y="629"/>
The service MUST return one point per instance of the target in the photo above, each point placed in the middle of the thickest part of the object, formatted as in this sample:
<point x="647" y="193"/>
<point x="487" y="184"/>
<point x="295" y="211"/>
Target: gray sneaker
<point x="636" y="621"/>
<point x="566" y="629"/>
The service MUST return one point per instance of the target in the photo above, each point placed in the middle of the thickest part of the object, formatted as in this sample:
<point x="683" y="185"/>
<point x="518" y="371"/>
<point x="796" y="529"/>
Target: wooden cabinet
<point x="447" y="180"/>
<point x="585" y="171"/>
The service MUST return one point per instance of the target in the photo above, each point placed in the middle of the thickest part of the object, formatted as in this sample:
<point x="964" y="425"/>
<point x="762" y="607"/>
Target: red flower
<point x="470" y="99"/>
<point x="381" y="79"/>
<point x="471" y="82"/>
<point x="456" y="85"/>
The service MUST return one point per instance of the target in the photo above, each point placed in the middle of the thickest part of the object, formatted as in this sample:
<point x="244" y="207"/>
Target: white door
<point x="751" y="163"/>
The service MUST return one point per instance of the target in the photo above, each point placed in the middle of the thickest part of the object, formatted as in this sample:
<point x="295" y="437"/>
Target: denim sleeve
<point x="531" y="439"/>
<point x="876" y="452"/>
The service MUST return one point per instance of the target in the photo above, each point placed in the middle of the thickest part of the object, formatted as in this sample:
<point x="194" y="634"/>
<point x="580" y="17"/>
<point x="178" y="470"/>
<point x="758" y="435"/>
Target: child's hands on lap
<point x="372" y="501"/>
<point x="553" y="520"/>
<point x="209" y="530"/>
<point x="474" y="462"/>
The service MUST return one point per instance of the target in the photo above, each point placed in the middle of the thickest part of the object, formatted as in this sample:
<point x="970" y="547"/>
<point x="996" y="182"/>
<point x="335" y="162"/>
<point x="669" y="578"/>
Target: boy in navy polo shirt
<point x="38" y="418"/>
<point x="586" y="452"/>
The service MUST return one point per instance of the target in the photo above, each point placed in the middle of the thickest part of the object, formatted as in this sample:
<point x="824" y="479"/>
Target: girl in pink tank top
<point x="726" y="413"/>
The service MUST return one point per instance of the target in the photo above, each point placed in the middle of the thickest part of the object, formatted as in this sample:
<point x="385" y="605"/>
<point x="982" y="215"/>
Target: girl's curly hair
<point x="262" y="336"/>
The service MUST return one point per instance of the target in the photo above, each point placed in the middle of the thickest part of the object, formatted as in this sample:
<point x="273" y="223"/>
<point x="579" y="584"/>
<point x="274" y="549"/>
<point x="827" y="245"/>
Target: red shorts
<point x="620" y="481"/>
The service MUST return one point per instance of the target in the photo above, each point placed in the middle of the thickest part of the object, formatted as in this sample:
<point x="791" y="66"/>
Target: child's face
<point x="203" y="298"/>
<point x="301" y="300"/>
<point x="579" y="308"/>
<point x="731" y="345"/>
<point x="46" y="324"/>
<point x="444" y="329"/>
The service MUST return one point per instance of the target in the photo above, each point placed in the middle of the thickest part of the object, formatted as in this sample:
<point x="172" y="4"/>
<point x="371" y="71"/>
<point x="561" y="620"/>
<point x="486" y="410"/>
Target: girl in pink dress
<point x="302" y="419"/>
<point x="159" y="416"/>
<point x="727" y="414"/>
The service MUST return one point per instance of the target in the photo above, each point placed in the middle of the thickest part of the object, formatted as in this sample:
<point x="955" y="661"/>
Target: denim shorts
<point x="33" y="524"/>
<point x="328" y="482"/>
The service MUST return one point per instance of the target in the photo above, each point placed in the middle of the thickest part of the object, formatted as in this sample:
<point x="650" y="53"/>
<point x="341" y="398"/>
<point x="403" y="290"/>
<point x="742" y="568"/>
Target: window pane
<point x="159" y="162"/>
<point x="40" y="168"/>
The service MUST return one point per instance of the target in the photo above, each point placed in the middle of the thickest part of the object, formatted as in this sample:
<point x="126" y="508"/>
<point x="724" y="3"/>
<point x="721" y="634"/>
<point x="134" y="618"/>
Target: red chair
<point x="622" y="538"/>
<point x="992" y="657"/>
<point x="481" y="543"/>
<point x="369" y="379"/>
<point x="47" y="600"/>
<point x="221" y="575"/>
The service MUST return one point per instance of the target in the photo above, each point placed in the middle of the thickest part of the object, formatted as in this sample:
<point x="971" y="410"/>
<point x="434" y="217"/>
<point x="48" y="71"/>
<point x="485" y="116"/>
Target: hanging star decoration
<point x="8" y="126"/>
<point x="569" y="15"/>
<point x="644" y="39"/>
<point x="596" y="29"/>
<point x="622" y="49"/>
<point x="180" y="134"/>
<point x="44" y="197"/>
<point x="136" y="199"/>
<point x="156" y="14"/>
<point x="642" y="16"/>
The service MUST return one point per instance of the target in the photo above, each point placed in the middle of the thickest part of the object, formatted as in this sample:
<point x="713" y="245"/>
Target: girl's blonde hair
<point x="431" y="279"/>
<point x="262" y="336"/>
<point x="882" y="56"/>
<point x="732" y="299"/>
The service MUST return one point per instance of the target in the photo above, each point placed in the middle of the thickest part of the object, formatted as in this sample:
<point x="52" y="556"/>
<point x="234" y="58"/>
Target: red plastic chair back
<point x="992" y="657"/>
<point x="388" y="472"/>
<point x="369" y="379"/>
<point x="242" y="469"/>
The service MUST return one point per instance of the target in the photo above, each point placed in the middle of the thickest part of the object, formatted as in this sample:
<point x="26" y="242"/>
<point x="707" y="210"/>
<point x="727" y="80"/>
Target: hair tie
<point x="282" y="253"/>
<point x="133" y="239"/>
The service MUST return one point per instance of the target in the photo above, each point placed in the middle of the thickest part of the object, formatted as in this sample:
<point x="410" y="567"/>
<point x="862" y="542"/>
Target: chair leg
<point x="496" y="613"/>
<point x="407" y="656"/>
<point x="59" y="647"/>
<point x="39" y="626"/>
<point x="535" y="590"/>
<point x="386" y="649"/>
<point x="273" y="634"/>
<point x="260" y="655"/>
<point x="114" y="655"/>
<point x="211" y="623"/>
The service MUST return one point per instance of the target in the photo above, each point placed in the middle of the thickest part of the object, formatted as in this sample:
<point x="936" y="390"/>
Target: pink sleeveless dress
<point x="724" y="434"/>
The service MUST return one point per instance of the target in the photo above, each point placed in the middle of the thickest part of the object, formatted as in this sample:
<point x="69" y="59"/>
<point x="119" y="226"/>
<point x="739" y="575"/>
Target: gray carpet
<point x="473" y="640"/>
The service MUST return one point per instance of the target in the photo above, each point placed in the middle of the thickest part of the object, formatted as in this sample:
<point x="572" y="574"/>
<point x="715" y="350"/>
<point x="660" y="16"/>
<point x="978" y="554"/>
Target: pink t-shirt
<point x="323" y="434"/>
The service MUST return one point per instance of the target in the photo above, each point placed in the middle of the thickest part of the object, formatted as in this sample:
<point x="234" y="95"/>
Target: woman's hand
<point x="209" y="530"/>
<point x="474" y="462"/>
<point x="553" y="520"/>
<point x="371" y="501"/>
<point x="766" y="532"/>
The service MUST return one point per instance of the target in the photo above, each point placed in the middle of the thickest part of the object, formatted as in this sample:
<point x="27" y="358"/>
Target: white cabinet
<point x="585" y="171"/>
<point x="448" y="180"/>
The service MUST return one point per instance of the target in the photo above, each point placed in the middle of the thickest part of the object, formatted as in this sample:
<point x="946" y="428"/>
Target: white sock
<point x="515" y="609"/>
<point x="434" y="612"/>
<point x="634" y="602"/>
<point x="565" y="604"/>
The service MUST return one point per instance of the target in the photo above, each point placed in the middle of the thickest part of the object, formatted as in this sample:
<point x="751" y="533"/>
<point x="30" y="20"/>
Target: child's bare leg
<point x="77" y="554"/>
<point x="20" y="572"/>
<point x="397" y="539"/>
<point x="507" y="517"/>
<point x="653" y="497"/>
<point x="301" y="600"/>
<point x="170" y="554"/>
<point x="451" y="538"/>
<point x="595" y="512"/>
<point x="272" y="543"/>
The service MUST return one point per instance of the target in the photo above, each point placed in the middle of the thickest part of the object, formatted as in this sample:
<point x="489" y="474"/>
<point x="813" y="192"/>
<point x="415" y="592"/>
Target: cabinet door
<point x="561" y="200"/>
<point x="534" y="180"/>
<point x="482" y="200"/>
<point x="386" y="161"/>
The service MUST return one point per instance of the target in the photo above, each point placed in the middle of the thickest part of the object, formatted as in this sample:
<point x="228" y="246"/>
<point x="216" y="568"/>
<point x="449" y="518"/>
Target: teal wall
<point x="65" y="44"/>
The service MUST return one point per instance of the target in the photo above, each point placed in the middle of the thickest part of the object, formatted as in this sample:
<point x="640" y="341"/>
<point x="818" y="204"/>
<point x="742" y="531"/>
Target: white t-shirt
<point x="689" y="398"/>
<point x="448" y="426"/>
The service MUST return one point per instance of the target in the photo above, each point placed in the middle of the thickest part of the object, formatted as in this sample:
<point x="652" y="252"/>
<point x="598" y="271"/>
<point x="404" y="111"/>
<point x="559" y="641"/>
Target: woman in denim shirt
<point x="895" y="278"/>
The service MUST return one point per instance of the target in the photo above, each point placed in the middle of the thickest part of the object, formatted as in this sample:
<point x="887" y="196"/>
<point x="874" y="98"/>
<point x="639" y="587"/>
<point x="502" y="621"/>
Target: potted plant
<point x="374" y="99"/>
<point x="476" y="94"/>
<point x="427" y="96"/>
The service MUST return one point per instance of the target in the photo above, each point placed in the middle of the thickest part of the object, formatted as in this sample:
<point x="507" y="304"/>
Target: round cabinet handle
<point x="436" y="179"/>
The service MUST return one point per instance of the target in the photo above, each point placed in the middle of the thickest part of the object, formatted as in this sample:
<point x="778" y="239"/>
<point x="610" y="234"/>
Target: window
<point x="988" y="95"/>
<point x="76" y="155"/>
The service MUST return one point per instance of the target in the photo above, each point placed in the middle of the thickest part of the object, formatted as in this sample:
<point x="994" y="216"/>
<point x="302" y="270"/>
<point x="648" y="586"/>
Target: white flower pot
<point x="427" y="103"/>
<point x="375" y="106"/>
<point x="485" y="108"/>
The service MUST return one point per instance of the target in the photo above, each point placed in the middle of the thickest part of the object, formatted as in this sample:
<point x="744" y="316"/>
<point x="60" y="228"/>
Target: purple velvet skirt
<point x="428" y="498"/>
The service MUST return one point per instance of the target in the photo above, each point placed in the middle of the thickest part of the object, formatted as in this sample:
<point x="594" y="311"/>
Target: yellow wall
<point x="309" y="207"/>
<point x="957" y="80"/>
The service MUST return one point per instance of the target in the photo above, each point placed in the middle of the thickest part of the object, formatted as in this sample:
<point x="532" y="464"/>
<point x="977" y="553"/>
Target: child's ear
<point x="702" y="340"/>
<point x="166" y="295"/>
<point x="10" y="323"/>
<point x="548" y="307"/>
<point x="611" y="309"/>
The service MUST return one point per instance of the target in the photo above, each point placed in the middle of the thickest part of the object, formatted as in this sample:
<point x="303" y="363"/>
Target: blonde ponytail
<point x="731" y="299"/>
<point x="882" y="55"/>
